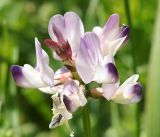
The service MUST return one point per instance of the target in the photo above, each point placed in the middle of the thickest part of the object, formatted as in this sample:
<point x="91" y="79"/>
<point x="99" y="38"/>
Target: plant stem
<point x="134" y="65"/>
<point x="128" y="15"/>
<point x="86" y="122"/>
<point x="115" y="119"/>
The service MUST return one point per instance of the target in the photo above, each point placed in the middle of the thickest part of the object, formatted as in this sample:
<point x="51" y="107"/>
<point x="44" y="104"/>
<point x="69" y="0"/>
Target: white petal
<point x="48" y="90"/>
<point x="97" y="30"/>
<point x="74" y="30"/>
<point x="40" y="77"/>
<point x="60" y="113"/>
<point x="129" y="91"/>
<point x="82" y="97"/>
<point x="111" y="47"/>
<point x="46" y="73"/>
<point x="88" y="57"/>
<point x="131" y="80"/>
<point x="109" y="90"/>
<point x="27" y="76"/>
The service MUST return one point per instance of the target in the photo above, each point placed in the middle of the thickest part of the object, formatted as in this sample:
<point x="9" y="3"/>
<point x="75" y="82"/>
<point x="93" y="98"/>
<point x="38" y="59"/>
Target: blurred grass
<point x="153" y="82"/>
<point x="27" y="113"/>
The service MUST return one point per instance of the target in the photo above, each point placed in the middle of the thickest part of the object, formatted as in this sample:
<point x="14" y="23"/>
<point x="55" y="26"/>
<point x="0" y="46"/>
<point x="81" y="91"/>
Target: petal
<point x="131" y="80"/>
<point x="111" y="29"/>
<point x="88" y="57"/>
<point x="46" y="73"/>
<point x="40" y="77"/>
<point x="19" y="77"/>
<point x="125" y="31"/>
<point x="131" y="93"/>
<point x="60" y="113"/>
<point x="111" y="47"/>
<point x="56" y="29"/>
<point x="27" y="76"/>
<point x="82" y="97"/>
<point x="97" y="30"/>
<point x="48" y="90"/>
<point x="109" y="90"/>
<point x="72" y="96"/>
<point x="74" y="30"/>
<point x="106" y="72"/>
<point x="55" y="121"/>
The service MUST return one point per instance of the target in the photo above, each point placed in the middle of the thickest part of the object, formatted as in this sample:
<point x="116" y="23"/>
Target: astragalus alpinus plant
<point x="87" y="57"/>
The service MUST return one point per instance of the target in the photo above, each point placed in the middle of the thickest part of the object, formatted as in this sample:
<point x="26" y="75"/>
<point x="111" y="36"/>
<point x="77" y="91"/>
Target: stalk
<point x="86" y="122"/>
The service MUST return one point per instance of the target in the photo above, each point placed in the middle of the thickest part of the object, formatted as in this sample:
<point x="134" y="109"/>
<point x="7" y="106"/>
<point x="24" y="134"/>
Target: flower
<point x="42" y="76"/>
<point x="87" y="57"/>
<point x="68" y="94"/>
<point x="71" y="98"/>
<point x="73" y="95"/>
<point x="90" y="63"/>
<point x="60" y="113"/>
<point x="111" y="36"/>
<point x="65" y="32"/>
<point x="129" y="92"/>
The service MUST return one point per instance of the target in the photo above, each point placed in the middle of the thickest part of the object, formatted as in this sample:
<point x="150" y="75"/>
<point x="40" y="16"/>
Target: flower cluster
<point x="87" y="57"/>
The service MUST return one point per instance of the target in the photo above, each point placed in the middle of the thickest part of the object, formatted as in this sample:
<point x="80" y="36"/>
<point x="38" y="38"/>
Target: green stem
<point x="128" y="15"/>
<point x="86" y="122"/>
<point x="115" y="119"/>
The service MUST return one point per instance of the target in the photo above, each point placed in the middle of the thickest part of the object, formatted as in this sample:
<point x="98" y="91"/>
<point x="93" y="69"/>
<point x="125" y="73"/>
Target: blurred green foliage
<point x="27" y="112"/>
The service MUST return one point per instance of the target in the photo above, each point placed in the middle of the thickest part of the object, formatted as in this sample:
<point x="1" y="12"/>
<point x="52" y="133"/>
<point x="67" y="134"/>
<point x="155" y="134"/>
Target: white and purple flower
<point x="112" y="36"/>
<point x="90" y="63"/>
<point x="71" y="98"/>
<point x="65" y="32"/>
<point x="87" y="57"/>
<point x="42" y="76"/>
<point x="127" y="93"/>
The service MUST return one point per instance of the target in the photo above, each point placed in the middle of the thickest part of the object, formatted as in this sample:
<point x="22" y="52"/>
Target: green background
<point x="27" y="112"/>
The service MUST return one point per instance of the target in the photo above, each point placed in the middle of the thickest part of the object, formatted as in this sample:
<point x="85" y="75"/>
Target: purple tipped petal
<point x="106" y="73"/>
<point x="129" y="92"/>
<point x="111" y="68"/>
<point x="26" y="76"/>
<point x="137" y="92"/>
<point x="40" y="77"/>
<point x="88" y="57"/>
<point x="125" y="31"/>
<point x="17" y="73"/>
<point x="72" y="96"/>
